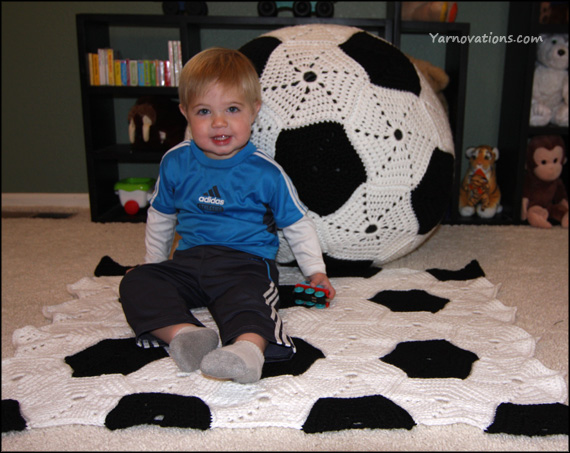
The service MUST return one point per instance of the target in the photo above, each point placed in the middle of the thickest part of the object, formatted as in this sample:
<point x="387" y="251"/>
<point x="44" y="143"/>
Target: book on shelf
<point x="124" y="72"/>
<point x="160" y="73"/>
<point x="110" y="67"/>
<point x="93" y="65"/>
<point x="171" y="60"/>
<point x="117" y="68"/>
<point x="106" y="67"/>
<point x="175" y="58"/>
<point x="133" y="73"/>
<point x="141" y="72"/>
<point x="102" y="53"/>
<point x="167" y="74"/>
<point x="179" y="61"/>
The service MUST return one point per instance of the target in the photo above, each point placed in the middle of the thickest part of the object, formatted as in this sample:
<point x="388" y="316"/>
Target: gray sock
<point x="242" y="362"/>
<point x="190" y="345"/>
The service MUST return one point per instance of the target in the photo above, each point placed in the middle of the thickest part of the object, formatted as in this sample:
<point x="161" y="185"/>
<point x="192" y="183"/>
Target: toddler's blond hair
<point x="228" y="67"/>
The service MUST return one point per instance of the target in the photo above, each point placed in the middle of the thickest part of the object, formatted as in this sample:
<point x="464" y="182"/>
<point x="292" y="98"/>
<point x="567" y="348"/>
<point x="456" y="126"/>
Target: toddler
<point x="226" y="199"/>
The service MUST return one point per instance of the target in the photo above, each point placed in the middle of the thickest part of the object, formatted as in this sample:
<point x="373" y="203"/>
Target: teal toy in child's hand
<point x="310" y="296"/>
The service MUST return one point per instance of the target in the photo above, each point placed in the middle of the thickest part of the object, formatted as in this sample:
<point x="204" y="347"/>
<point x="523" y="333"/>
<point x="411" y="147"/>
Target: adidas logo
<point x="211" y="200"/>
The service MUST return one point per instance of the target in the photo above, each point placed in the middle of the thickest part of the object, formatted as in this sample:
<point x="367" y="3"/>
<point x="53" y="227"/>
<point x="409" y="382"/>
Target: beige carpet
<point x="41" y="256"/>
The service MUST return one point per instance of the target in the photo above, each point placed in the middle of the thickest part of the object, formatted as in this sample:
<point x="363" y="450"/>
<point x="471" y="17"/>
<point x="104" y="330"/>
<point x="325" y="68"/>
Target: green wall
<point x="42" y="129"/>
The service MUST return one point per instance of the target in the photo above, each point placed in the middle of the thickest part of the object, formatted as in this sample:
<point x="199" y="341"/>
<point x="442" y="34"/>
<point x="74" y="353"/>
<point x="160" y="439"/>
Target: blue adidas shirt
<point x="238" y="202"/>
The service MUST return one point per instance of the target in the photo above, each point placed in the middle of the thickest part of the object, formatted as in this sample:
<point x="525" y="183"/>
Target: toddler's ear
<point x="256" y="107"/>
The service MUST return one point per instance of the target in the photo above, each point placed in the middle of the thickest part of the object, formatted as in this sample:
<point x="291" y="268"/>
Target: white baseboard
<point x="58" y="200"/>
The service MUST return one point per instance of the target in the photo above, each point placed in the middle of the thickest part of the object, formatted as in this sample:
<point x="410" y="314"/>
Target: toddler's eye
<point x="233" y="109"/>
<point x="203" y="112"/>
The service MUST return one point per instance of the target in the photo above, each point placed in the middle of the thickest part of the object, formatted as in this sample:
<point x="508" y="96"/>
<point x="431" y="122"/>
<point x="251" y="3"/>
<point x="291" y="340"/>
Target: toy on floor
<point x="429" y="11"/>
<point x="550" y="83"/>
<point x="479" y="191"/>
<point x="309" y="296"/>
<point x="134" y="193"/>
<point x="544" y="193"/>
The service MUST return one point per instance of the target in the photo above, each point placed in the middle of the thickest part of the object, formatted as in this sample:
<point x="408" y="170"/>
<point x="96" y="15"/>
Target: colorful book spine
<point x="96" y="75"/>
<point x="124" y="72"/>
<point x="141" y="73"/>
<point x="150" y="73"/>
<point x="171" y="60"/>
<point x="159" y="73"/>
<point x="90" y="68"/>
<point x="133" y="73"/>
<point x="179" y="61"/>
<point x="167" y="74"/>
<point x="118" y="79"/>
<point x="102" y="53"/>
<point x="110" y="67"/>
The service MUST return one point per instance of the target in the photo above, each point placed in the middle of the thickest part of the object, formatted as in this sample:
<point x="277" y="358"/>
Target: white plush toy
<point x="550" y="86"/>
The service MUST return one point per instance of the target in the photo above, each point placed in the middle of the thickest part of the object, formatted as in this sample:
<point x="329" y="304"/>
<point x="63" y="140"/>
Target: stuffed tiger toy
<point x="479" y="191"/>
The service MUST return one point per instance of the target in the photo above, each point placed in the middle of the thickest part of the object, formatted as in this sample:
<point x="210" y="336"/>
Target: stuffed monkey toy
<point x="544" y="194"/>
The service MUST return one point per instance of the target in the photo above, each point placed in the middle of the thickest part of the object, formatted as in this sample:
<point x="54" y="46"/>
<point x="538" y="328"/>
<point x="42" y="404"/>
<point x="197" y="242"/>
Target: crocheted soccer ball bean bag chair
<point x="362" y="136"/>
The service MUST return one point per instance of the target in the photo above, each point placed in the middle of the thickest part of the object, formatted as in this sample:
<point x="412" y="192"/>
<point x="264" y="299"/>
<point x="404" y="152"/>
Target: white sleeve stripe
<point x="181" y="144"/>
<point x="292" y="191"/>
<point x="157" y="185"/>
<point x="155" y="192"/>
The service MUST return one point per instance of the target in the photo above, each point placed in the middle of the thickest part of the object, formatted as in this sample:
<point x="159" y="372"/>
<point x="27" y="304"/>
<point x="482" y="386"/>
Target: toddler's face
<point x="220" y="121"/>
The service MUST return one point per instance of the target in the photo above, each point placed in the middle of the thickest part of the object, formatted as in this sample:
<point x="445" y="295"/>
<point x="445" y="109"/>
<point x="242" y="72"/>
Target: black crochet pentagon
<point x="322" y="163"/>
<point x="430" y="198"/>
<point x="162" y="409"/>
<point x="286" y="296"/>
<point x="411" y="300"/>
<point x="431" y="359"/>
<point x="108" y="266"/>
<point x="337" y="267"/>
<point x="530" y="419"/>
<point x="112" y="356"/>
<point x="375" y="411"/>
<point x="385" y="65"/>
<point x="300" y="362"/>
<point x="471" y="271"/>
<point x="259" y="50"/>
<point x="12" y="419"/>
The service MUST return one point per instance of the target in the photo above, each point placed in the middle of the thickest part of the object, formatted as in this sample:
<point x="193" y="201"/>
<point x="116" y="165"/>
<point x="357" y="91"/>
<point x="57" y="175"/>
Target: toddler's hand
<point x="322" y="280"/>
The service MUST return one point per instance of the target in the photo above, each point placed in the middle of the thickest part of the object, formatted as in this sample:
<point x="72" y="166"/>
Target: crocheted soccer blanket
<point x="398" y="348"/>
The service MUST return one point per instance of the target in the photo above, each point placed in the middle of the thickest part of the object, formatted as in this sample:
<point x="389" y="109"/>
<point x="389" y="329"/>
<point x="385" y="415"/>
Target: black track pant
<point x="239" y="290"/>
